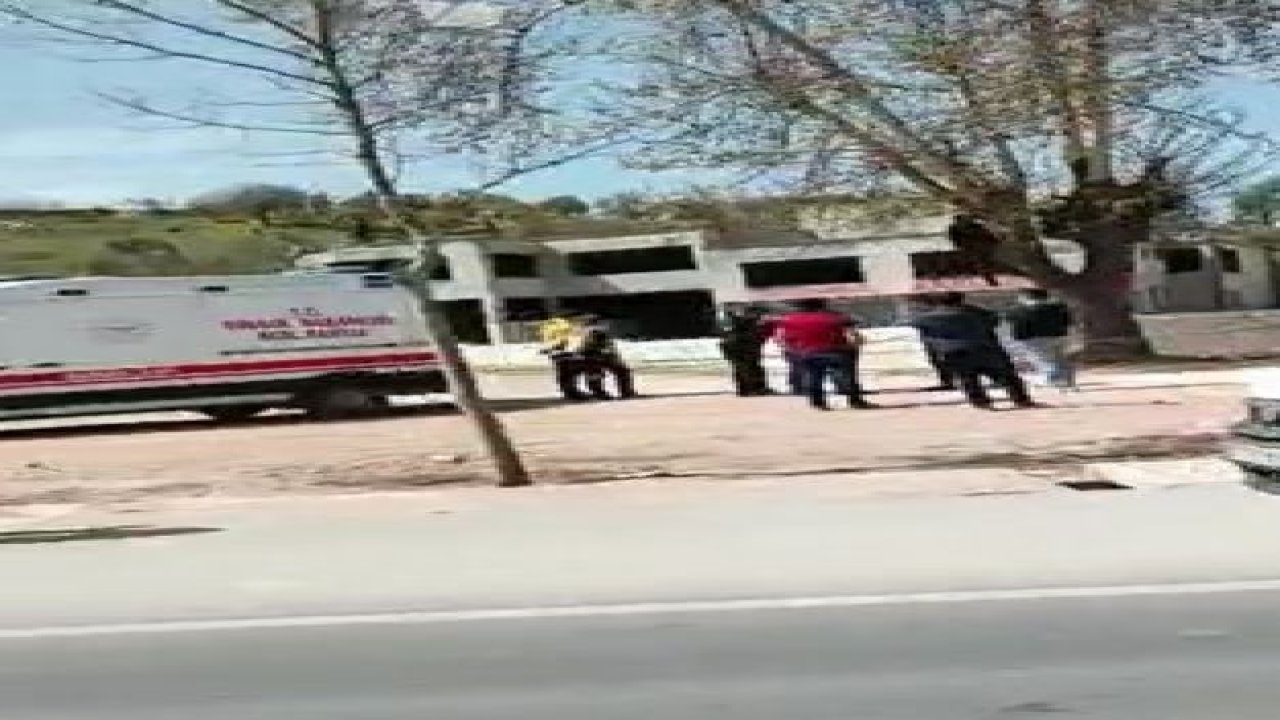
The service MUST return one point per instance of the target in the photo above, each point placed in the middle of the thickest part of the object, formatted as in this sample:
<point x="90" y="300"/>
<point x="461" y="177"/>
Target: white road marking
<point x="430" y="617"/>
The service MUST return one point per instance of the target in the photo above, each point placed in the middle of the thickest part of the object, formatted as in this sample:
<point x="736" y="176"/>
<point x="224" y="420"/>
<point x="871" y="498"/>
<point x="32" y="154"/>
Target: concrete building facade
<point x="1202" y="276"/>
<point x="671" y="285"/>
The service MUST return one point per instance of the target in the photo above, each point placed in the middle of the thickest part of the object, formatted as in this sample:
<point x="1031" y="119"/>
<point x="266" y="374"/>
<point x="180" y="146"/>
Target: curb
<point x="1166" y="473"/>
<point x="863" y="485"/>
<point x="20" y="517"/>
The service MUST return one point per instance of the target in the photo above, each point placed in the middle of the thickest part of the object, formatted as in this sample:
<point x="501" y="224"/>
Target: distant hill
<point x="101" y="242"/>
<point x="80" y="242"/>
<point x="223" y="240"/>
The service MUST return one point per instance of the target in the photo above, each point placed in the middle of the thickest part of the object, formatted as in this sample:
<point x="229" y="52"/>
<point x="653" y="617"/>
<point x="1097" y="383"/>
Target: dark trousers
<point x="596" y="367"/>
<point x="970" y="365"/>
<point x="747" y="367"/>
<point x="840" y="366"/>
<point x="946" y="378"/>
<point x="795" y="374"/>
<point x="568" y="370"/>
<point x="853" y="360"/>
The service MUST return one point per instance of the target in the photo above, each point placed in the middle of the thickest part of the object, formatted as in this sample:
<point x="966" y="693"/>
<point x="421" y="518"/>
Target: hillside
<point x="89" y="243"/>
<point x="78" y="243"/>
<point x="249" y="237"/>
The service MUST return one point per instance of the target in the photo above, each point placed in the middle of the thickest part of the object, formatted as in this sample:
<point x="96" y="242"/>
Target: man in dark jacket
<point x="965" y="340"/>
<point x="946" y="379"/>
<point x="742" y="339"/>
<point x="1040" y="327"/>
<point x="600" y="356"/>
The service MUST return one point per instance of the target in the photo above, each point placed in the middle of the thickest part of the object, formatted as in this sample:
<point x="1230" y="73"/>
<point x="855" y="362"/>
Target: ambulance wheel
<point x="344" y="402"/>
<point x="232" y="413"/>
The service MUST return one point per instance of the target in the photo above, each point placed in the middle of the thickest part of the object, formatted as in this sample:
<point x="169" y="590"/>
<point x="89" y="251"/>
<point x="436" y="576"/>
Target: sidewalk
<point x="688" y="429"/>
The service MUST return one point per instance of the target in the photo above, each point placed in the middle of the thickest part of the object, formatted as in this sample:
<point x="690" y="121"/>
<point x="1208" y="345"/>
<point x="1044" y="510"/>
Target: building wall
<point x="1211" y="287"/>
<point x="886" y="263"/>
<point x="884" y="253"/>
<point x="562" y="282"/>
<point x="887" y="349"/>
<point x="629" y="283"/>
<point x="1254" y="286"/>
<point x="1229" y="334"/>
<point x="575" y="245"/>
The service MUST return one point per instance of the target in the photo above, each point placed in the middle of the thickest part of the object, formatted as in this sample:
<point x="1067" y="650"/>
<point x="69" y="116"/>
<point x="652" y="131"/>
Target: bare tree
<point x="1031" y="118"/>
<point x="384" y="82"/>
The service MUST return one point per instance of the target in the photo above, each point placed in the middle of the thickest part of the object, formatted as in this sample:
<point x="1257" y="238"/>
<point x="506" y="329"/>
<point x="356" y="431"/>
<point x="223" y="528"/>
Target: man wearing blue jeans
<point x="964" y="337"/>
<point x="795" y="373"/>
<point x="824" y="345"/>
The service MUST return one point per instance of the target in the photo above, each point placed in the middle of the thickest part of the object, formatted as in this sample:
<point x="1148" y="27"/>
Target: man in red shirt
<point x="825" y="344"/>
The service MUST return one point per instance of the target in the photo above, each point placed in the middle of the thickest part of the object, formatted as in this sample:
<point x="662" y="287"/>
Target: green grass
<point x="80" y="243"/>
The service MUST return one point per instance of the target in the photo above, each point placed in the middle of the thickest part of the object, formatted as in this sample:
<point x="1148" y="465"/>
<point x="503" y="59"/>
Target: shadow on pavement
<point x="1137" y="448"/>
<point x="1167" y="365"/>
<point x="1089" y="388"/>
<point x="1049" y="457"/>
<point x="1100" y="387"/>
<point x="195" y="423"/>
<point x="89" y="534"/>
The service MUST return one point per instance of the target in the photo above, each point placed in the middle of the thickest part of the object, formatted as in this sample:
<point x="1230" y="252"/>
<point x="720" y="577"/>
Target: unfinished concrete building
<point x="668" y="285"/>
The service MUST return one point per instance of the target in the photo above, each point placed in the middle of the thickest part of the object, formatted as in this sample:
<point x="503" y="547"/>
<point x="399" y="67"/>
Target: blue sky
<point x="60" y="142"/>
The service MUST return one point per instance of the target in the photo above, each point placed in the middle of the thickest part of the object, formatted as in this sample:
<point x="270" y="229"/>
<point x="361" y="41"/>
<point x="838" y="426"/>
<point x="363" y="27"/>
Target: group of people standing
<point x="582" y="350"/>
<point x="822" y="347"/>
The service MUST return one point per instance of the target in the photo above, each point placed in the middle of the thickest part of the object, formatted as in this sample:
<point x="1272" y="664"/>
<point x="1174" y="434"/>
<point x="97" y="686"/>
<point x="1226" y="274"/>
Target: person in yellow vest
<point x="599" y="355"/>
<point x="560" y="337"/>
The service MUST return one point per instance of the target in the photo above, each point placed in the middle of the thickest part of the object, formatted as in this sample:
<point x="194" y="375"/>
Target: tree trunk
<point x="1101" y="297"/>
<point x="493" y="436"/>
<point x="1108" y="330"/>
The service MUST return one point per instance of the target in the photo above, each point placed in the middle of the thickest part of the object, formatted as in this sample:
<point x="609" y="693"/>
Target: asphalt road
<point x="1155" y="605"/>
<point x="1170" y="657"/>
<point x="622" y="544"/>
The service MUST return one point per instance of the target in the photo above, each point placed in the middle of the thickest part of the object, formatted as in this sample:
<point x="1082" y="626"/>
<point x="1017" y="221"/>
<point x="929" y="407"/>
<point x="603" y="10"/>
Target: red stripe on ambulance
<point x="201" y="371"/>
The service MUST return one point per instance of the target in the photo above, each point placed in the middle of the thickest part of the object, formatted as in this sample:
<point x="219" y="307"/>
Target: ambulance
<point x="330" y="344"/>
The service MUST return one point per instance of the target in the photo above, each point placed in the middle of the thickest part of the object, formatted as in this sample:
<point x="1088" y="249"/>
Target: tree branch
<point x="854" y="85"/>
<point x="22" y="14"/>
<point x="558" y="161"/>
<point x="884" y="150"/>
<point x="348" y="104"/>
<point x="1005" y="155"/>
<point x="1046" y="54"/>
<point x="196" y="120"/>
<point x="142" y="12"/>
<point x="267" y="19"/>
<point x="1097" y="93"/>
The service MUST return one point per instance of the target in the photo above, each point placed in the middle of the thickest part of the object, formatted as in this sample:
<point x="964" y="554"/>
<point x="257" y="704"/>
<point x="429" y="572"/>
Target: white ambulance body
<point x="230" y="347"/>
